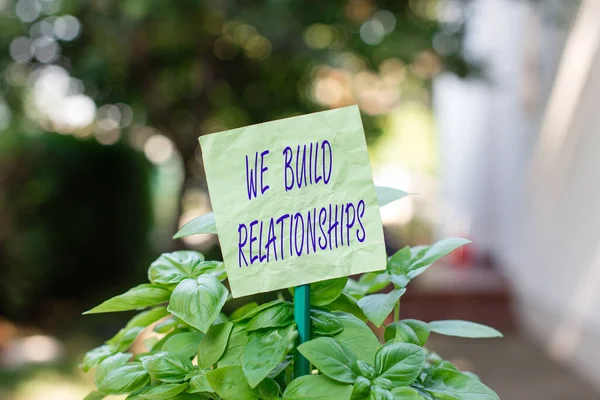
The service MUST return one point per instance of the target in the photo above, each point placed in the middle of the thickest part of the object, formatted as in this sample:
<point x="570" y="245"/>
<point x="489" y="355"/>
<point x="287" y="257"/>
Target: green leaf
<point x="265" y="350"/>
<point x="324" y="322"/>
<point x="198" y="302"/>
<point x="420" y="328"/>
<point x="325" y="292"/>
<point x="125" y="379"/>
<point x="358" y="337"/>
<point x="185" y="343"/>
<point x="147" y="317"/>
<point x="95" y="356"/>
<point x="463" y="329"/>
<point x="268" y="389"/>
<point x="373" y="282"/>
<point x="354" y="289"/>
<point x="167" y="367"/>
<point x="141" y="296"/>
<point x="406" y="393"/>
<point x="202" y="224"/>
<point x="163" y="391"/>
<point x="258" y="309"/>
<point x="317" y="387"/>
<point x="401" y="363"/>
<point x="387" y="195"/>
<point x="235" y="346"/>
<point x="281" y="366"/>
<point x="366" y="370"/>
<point x="168" y="324"/>
<point x="172" y="268"/>
<point x="230" y="383"/>
<point x="444" y="383"/>
<point x="277" y="316"/>
<point x="94" y="396"/>
<point x="199" y="383"/>
<point x="379" y="393"/>
<point x="221" y="319"/>
<point x="428" y="255"/>
<point x="400" y="261"/>
<point x="400" y="332"/>
<point x="125" y="338"/>
<point x="347" y="304"/>
<point x="243" y="310"/>
<point x="377" y="307"/>
<point x="109" y="364"/>
<point x="213" y="345"/>
<point x="383" y="383"/>
<point x="331" y="358"/>
<point x="362" y="387"/>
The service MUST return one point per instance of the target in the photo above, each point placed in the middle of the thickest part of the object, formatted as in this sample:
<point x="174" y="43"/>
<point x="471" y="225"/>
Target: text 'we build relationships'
<point x="322" y="227"/>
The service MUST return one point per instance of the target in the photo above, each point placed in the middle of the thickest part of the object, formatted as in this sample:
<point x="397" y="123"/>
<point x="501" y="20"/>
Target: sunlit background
<point x="485" y="109"/>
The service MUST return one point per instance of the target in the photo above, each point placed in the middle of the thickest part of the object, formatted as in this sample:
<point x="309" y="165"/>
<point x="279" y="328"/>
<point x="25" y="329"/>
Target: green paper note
<point x="294" y="201"/>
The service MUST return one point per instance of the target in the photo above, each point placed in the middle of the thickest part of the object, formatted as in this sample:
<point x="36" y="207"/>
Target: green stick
<point x="302" y="318"/>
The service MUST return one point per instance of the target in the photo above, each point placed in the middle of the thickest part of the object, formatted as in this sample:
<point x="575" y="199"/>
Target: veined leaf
<point x="325" y="292"/>
<point x="406" y="393"/>
<point x="317" y="387"/>
<point x="198" y="302"/>
<point x="230" y="383"/>
<point x="213" y="345"/>
<point x="255" y="310"/>
<point x="125" y="379"/>
<point x="167" y="367"/>
<point x="243" y="310"/>
<point x="199" y="383"/>
<point x="331" y="358"/>
<point x="172" y="268"/>
<point x="324" y="322"/>
<point x="163" y="391"/>
<point x="401" y="363"/>
<point x="268" y="389"/>
<point x="184" y="343"/>
<point x="377" y="307"/>
<point x="348" y="304"/>
<point x="379" y="393"/>
<point x="235" y="346"/>
<point x="444" y="383"/>
<point x="358" y="337"/>
<point x="400" y="332"/>
<point x="109" y="364"/>
<point x="420" y="328"/>
<point x="277" y="316"/>
<point x="265" y="350"/>
<point x="202" y="224"/>
<point x="373" y="282"/>
<point x="141" y="296"/>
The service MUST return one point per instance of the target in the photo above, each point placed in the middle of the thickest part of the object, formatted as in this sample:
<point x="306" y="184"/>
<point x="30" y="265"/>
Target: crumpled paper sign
<point x="262" y="254"/>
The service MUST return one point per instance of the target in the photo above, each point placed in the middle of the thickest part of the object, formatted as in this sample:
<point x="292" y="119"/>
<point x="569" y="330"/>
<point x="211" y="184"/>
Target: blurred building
<point x="520" y="163"/>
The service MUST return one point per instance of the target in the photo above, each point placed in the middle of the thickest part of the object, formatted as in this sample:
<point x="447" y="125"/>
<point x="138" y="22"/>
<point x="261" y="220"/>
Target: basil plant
<point x="194" y="351"/>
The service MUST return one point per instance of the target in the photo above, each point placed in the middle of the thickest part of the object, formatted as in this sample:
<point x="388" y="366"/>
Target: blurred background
<point x="485" y="108"/>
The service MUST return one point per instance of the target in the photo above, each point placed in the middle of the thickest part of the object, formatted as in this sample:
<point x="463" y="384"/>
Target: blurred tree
<point x="125" y="71"/>
<point x="193" y="66"/>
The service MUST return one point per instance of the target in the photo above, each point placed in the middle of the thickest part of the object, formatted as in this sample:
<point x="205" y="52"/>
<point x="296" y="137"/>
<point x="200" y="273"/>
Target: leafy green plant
<point x="195" y="351"/>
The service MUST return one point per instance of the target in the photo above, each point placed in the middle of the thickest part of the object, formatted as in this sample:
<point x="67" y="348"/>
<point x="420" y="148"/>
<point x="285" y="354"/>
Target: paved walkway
<point x="514" y="368"/>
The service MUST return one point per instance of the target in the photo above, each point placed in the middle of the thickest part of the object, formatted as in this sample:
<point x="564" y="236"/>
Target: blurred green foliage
<point x="70" y="207"/>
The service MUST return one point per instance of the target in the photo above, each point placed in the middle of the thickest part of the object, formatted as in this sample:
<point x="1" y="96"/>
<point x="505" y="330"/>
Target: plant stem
<point x="397" y="311"/>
